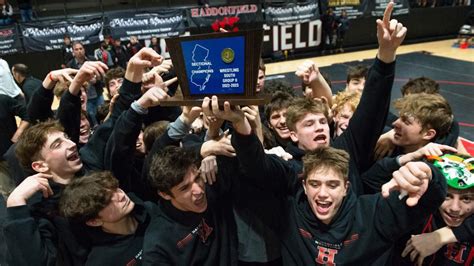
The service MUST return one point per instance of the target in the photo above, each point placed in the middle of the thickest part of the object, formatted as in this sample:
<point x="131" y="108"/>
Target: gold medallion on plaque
<point x="227" y="55"/>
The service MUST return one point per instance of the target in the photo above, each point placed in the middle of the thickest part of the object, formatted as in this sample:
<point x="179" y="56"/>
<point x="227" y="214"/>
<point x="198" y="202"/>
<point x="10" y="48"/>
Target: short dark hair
<point x="169" y="166"/>
<point x="356" y="72"/>
<point x="419" y="85"/>
<point x="152" y="132"/>
<point x="33" y="139"/>
<point x="21" y="69"/>
<point x="276" y="85"/>
<point x="325" y="158"/>
<point x="114" y="73"/>
<point x="261" y="65"/>
<point x="280" y="100"/>
<point x="83" y="198"/>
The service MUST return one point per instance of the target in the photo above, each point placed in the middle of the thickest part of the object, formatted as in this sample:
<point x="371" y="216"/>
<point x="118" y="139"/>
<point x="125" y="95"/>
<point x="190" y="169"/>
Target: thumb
<point x="389" y="186"/>
<point x="412" y="199"/>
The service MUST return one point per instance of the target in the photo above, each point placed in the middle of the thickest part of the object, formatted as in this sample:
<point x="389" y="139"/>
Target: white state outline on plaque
<point x="203" y="85"/>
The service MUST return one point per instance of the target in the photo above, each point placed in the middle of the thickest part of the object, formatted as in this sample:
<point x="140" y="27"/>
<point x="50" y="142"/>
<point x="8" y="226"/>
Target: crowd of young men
<point x="294" y="182"/>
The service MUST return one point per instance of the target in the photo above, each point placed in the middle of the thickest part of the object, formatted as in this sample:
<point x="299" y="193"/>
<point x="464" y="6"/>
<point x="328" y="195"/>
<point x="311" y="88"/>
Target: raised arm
<point x="368" y="121"/>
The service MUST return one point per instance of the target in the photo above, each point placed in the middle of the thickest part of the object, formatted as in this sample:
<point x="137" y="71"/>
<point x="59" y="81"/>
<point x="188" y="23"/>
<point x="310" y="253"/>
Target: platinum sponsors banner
<point x="38" y="37"/>
<point x="231" y="18"/>
<point x="354" y="8"/>
<point x="292" y="13"/>
<point x="144" y="25"/>
<point x="9" y="40"/>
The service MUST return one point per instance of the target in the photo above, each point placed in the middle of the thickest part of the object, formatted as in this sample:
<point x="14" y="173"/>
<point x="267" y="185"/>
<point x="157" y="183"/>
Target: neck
<point x="412" y="148"/>
<point x="126" y="226"/>
<point x="63" y="179"/>
<point x="21" y="79"/>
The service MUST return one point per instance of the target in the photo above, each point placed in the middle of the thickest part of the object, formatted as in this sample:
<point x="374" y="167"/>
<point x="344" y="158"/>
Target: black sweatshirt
<point x="113" y="249"/>
<point x="360" y="233"/>
<point x="175" y="237"/>
<point x="36" y="235"/>
<point x="366" y="124"/>
<point x="459" y="253"/>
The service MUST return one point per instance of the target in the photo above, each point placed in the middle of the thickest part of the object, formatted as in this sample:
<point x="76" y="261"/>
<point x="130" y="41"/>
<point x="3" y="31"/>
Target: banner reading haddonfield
<point x="287" y="14"/>
<point x="231" y="18"/>
<point x="166" y="23"/>
<point x="49" y="36"/>
<point x="9" y="40"/>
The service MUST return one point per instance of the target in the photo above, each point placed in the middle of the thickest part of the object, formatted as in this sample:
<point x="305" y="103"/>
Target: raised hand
<point x="419" y="247"/>
<point x="156" y="94"/>
<point x="390" y="34"/>
<point x="430" y="149"/>
<point x="307" y="72"/>
<point x="145" y="58"/>
<point x="89" y="71"/>
<point x="412" y="178"/>
<point x="209" y="169"/>
<point x="27" y="188"/>
<point x="60" y="75"/>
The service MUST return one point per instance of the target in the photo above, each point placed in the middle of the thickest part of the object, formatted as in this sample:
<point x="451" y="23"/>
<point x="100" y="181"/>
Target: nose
<point x="455" y="206"/>
<point x="323" y="193"/>
<point x="396" y="123"/>
<point x="197" y="188"/>
<point x="283" y="120"/>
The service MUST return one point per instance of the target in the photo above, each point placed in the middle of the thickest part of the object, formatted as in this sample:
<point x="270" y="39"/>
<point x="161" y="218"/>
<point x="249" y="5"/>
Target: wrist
<point x="134" y="73"/>
<point x="445" y="236"/>
<point x="140" y="107"/>
<point x="14" y="200"/>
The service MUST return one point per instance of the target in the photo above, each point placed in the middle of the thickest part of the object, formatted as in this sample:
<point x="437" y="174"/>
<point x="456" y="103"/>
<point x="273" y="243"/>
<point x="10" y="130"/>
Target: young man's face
<point x="458" y="205"/>
<point x="409" y="132"/>
<point x="190" y="194"/>
<point x="60" y="155"/>
<point x="118" y="208"/>
<point x="356" y="84"/>
<point x="278" y="123"/>
<point x="311" y="132"/>
<point x="260" y="81"/>
<point x="325" y="190"/>
<point x="83" y="99"/>
<point x="139" y="145"/>
<point x="78" y="51"/>
<point x="114" y="86"/>
<point x="84" y="130"/>
<point x="341" y="119"/>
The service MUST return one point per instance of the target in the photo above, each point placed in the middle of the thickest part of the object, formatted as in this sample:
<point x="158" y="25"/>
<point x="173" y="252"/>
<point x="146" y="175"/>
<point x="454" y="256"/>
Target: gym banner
<point x="9" y="40"/>
<point x="162" y="24"/>
<point x="38" y="37"/>
<point x="286" y="40"/>
<point x="292" y="13"/>
<point x="354" y="8"/>
<point x="400" y="8"/>
<point x="231" y="18"/>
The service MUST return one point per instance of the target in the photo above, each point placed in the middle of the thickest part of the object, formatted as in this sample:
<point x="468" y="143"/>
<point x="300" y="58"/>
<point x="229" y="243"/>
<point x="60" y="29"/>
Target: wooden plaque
<point x="222" y="64"/>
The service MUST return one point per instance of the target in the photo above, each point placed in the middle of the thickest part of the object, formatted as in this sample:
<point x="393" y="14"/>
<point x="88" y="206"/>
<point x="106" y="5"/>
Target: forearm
<point x="23" y="125"/>
<point x="320" y="88"/>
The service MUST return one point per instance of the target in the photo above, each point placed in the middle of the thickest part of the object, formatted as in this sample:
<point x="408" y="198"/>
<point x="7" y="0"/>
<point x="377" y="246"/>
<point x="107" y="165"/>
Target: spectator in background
<point x="103" y="55"/>
<point x="7" y="12"/>
<point x="27" y="83"/>
<point x="26" y="10"/>
<point x="67" y="50"/>
<point x="134" y="45"/>
<point x="7" y="83"/>
<point x="119" y="54"/>
<point x="329" y="25"/>
<point x="342" y="28"/>
<point x="155" y="44"/>
<point x="204" y="3"/>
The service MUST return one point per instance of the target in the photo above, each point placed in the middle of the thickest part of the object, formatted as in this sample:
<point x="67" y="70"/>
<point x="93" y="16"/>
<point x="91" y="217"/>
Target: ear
<point x="40" y="166"/>
<point x="94" y="222"/>
<point x="303" y="183"/>
<point x="293" y="136"/>
<point x="429" y="134"/>
<point x="164" y="195"/>
<point x="346" y="187"/>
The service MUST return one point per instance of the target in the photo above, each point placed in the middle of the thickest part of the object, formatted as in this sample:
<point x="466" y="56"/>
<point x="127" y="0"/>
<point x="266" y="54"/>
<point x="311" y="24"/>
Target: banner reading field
<point x="292" y="13"/>
<point x="162" y="24"/>
<point x="9" y="40"/>
<point x="231" y="18"/>
<point x="49" y="35"/>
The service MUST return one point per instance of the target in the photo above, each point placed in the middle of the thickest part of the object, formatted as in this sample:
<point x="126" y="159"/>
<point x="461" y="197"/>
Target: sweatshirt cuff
<point x="239" y="140"/>
<point x="45" y="92"/>
<point x="129" y="87"/>
<point x="71" y="98"/>
<point x="18" y="212"/>
<point x="384" y="68"/>
<point x="177" y="129"/>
